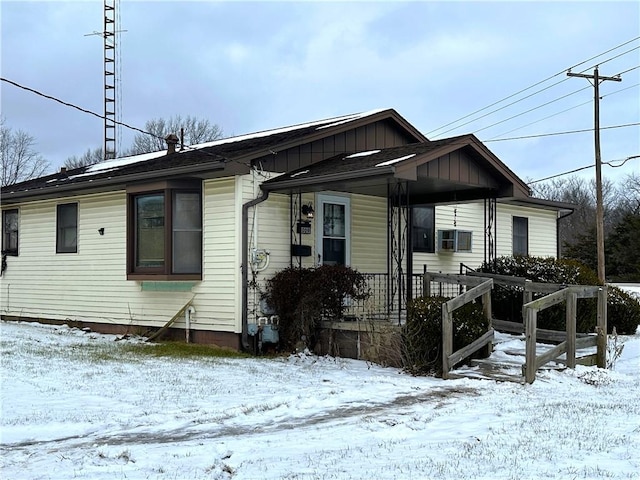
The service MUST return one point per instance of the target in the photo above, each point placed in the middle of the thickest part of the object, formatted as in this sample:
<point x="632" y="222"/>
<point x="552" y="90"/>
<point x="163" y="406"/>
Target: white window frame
<point x="321" y="200"/>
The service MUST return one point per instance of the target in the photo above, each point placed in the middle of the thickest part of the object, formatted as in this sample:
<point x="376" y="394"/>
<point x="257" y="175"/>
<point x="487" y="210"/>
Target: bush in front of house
<point x="422" y="333"/>
<point x="622" y="309"/>
<point x="506" y="301"/>
<point x="302" y="297"/>
<point x="623" y="312"/>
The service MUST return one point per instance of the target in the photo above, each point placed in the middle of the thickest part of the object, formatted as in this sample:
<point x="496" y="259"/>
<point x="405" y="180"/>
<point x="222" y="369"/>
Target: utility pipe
<point x="187" y="320"/>
<point x="244" y="267"/>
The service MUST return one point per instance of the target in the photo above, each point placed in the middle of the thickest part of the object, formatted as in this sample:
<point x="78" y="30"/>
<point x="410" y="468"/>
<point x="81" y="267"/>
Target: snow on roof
<point x="293" y="175"/>
<point x="363" y="154"/>
<point x="350" y="118"/>
<point x="124" y="161"/>
<point x="395" y="160"/>
<point x="120" y="162"/>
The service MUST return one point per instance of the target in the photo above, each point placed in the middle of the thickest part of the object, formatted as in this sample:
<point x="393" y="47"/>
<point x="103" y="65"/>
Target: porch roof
<point x="453" y="169"/>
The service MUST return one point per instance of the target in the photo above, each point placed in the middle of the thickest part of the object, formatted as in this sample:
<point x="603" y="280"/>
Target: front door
<point x="333" y="229"/>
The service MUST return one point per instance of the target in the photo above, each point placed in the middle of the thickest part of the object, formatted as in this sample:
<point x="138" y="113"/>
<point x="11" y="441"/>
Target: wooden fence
<point x="569" y="340"/>
<point x="482" y="288"/>
<point x="570" y="296"/>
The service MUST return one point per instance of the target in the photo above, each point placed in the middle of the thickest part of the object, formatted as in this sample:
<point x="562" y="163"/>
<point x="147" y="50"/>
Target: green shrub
<point x="303" y="296"/>
<point x="623" y="312"/>
<point x="622" y="309"/>
<point x="422" y="333"/>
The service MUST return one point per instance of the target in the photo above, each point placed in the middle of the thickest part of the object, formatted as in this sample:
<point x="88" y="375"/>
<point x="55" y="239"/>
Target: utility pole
<point x="596" y="131"/>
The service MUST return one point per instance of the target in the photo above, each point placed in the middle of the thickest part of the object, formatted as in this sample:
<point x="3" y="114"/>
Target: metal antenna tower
<point x="109" y="35"/>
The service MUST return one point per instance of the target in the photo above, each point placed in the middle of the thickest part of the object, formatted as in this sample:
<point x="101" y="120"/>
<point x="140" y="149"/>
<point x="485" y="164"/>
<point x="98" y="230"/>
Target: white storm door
<point x="333" y="229"/>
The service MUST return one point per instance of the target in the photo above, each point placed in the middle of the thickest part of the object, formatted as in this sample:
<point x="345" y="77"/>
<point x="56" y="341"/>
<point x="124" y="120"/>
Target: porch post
<point x="397" y="227"/>
<point x="489" y="229"/>
<point x="409" y="247"/>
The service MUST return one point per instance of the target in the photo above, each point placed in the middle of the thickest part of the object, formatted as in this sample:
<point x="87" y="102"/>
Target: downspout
<point x="244" y="267"/>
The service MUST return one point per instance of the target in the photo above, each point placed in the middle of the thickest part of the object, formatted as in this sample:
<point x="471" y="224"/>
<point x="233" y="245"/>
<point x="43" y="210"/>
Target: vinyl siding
<point x="216" y="298"/>
<point x="542" y="230"/>
<point x="470" y="216"/>
<point x="369" y="234"/>
<point x="91" y="285"/>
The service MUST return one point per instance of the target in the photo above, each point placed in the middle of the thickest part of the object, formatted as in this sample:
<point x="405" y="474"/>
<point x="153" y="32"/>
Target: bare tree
<point x="629" y="194"/>
<point x="87" y="158"/>
<point x="18" y="159"/>
<point x="581" y="193"/>
<point x="195" y="131"/>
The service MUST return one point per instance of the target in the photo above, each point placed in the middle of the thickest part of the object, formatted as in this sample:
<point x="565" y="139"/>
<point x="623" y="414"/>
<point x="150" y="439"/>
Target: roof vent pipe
<point x="172" y="140"/>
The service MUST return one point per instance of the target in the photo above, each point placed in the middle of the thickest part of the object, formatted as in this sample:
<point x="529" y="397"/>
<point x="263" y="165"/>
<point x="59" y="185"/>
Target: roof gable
<point x="457" y="164"/>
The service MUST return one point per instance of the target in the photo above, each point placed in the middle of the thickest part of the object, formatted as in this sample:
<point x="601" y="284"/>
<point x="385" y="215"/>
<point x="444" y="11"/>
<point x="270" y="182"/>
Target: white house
<point x="124" y="245"/>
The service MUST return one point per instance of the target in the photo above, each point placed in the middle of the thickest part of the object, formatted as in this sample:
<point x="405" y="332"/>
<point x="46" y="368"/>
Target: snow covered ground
<point x="74" y="405"/>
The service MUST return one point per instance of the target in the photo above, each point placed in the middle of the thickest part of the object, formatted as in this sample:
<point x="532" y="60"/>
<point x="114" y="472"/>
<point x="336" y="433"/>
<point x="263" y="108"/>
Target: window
<point x="520" y="236"/>
<point x="165" y="231"/>
<point x="334" y="231"/>
<point x="10" y="231"/>
<point x="424" y="226"/>
<point x="455" y="240"/>
<point x="67" y="228"/>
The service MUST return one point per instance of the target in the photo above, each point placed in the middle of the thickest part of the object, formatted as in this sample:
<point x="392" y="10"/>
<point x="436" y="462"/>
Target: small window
<point x="67" y="228"/>
<point x="520" y="236"/>
<point x="165" y="231"/>
<point x="455" y="240"/>
<point x="463" y="241"/>
<point x="10" y="232"/>
<point x="424" y="227"/>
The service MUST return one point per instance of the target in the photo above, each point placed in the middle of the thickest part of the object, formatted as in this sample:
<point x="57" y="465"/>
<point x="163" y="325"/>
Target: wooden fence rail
<point x="570" y="341"/>
<point x="450" y="358"/>
<point x="570" y="296"/>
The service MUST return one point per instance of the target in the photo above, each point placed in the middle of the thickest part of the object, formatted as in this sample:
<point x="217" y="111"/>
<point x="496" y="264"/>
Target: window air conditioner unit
<point x="454" y="241"/>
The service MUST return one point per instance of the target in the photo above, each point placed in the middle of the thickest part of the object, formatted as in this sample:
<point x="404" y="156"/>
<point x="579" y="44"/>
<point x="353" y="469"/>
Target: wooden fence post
<point x="447" y="339"/>
<point x="486" y="307"/>
<point x="601" y="329"/>
<point x="530" y="349"/>
<point x="571" y="309"/>
<point x="527" y="296"/>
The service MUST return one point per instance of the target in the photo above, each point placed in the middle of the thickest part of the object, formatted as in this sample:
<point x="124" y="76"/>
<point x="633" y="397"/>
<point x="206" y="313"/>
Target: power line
<point x="562" y="111"/>
<point x="560" y="133"/>
<point x="540" y="120"/>
<point x="532" y="109"/>
<point x="603" y="53"/>
<point x="102" y="117"/>
<point x="533" y="86"/>
<point x="629" y="70"/>
<point x="609" y="59"/>
<point x="610" y="163"/>
<point x="67" y="104"/>
<point x="504" y="106"/>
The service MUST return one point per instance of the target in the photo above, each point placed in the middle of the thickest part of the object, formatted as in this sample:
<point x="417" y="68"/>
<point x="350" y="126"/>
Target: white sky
<point x="262" y="65"/>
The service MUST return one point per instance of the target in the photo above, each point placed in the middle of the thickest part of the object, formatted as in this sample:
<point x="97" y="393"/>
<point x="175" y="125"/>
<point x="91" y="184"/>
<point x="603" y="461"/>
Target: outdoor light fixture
<point x="307" y="210"/>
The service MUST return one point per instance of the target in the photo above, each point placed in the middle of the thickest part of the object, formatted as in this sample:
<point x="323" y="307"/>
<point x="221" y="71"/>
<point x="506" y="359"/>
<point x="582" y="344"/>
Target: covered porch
<point x="459" y="169"/>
